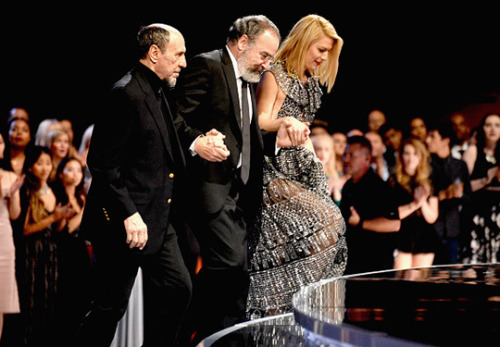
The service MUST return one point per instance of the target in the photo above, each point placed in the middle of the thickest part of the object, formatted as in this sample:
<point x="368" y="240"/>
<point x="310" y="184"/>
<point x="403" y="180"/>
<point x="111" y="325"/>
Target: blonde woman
<point x="418" y="206"/>
<point x="300" y="236"/>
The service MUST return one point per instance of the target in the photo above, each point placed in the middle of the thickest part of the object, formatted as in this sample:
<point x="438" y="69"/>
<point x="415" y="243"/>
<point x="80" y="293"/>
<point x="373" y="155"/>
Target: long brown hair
<point x="421" y="177"/>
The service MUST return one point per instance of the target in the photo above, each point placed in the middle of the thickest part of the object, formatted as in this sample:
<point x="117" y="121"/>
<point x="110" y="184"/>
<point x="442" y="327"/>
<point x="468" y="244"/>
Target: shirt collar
<point x="153" y="79"/>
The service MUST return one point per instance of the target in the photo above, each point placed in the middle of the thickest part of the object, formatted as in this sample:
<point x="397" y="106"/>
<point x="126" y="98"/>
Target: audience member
<point x="369" y="208"/>
<point x="392" y="137"/>
<point x="355" y="132"/>
<point x="324" y="148"/>
<point x="376" y="118"/>
<point x="9" y="209"/>
<point x="450" y="179"/>
<point x="67" y="127"/>
<point x="339" y="145"/>
<point x="378" y="164"/>
<point x="418" y="128"/>
<point x="417" y="206"/>
<point x="44" y="128"/>
<point x="483" y="160"/>
<point x="18" y="113"/>
<point x="73" y="257"/>
<point x="319" y="126"/>
<point x="462" y="133"/>
<point x="83" y="151"/>
<point x="58" y="142"/>
<point x="19" y="140"/>
<point x="42" y="217"/>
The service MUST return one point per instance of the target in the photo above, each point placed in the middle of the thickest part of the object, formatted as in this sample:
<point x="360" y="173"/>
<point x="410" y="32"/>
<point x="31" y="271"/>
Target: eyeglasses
<point x="266" y="57"/>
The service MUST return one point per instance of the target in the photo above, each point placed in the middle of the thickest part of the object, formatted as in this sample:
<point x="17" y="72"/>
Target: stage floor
<point x="434" y="306"/>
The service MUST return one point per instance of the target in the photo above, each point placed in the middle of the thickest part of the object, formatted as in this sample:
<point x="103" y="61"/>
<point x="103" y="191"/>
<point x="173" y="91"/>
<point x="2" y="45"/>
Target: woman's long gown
<point x="300" y="236"/>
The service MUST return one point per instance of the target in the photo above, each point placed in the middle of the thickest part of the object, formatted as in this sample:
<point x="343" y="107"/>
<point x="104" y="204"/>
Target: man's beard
<point x="249" y="73"/>
<point x="171" y="82"/>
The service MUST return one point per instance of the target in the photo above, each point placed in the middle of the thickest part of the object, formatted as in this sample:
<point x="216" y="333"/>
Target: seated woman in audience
<point x="418" y="207"/>
<point x="482" y="157"/>
<point x="42" y="216"/>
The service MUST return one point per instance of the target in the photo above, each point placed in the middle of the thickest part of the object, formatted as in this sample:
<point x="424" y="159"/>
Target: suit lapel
<point x="232" y="86"/>
<point x="155" y="112"/>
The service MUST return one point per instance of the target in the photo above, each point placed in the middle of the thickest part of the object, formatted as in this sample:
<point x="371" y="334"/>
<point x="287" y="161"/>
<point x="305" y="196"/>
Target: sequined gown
<point x="300" y="235"/>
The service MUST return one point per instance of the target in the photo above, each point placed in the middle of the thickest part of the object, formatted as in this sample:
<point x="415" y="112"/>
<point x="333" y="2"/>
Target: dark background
<point x="409" y="59"/>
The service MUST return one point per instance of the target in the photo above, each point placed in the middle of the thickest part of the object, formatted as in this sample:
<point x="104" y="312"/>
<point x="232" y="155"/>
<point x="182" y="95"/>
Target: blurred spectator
<point x="44" y="128"/>
<point x="67" y="127"/>
<point x="354" y="132"/>
<point x="73" y="256"/>
<point x="19" y="140"/>
<point x="370" y="212"/>
<point x="324" y="148"/>
<point x="392" y="137"/>
<point x="378" y="164"/>
<point x="375" y="119"/>
<point x="18" y="113"/>
<point x="418" y="128"/>
<point x="339" y="145"/>
<point x="462" y="133"/>
<point x="9" y="210"/>
<point x="58" y="143"/>
<point x="319" y="126"/>
<point x="483" y="160"/>
<point x="83" y="151"/>
<point x="417" y="206"/>
<point x="451" y="182"/>
<point x="42" y="217"/>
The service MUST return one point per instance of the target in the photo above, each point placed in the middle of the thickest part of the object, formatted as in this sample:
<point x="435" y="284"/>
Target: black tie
<point x="245" y="133"/>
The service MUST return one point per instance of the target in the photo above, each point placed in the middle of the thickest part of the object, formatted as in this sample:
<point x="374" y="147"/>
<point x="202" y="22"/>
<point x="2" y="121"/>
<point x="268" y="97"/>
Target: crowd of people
<point x="312" y="202"/>
<point x="46" y="264"/>
<point x="439" y="178"/>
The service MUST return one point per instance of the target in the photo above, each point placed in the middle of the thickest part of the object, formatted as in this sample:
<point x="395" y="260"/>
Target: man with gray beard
<point x="215" y="91"/>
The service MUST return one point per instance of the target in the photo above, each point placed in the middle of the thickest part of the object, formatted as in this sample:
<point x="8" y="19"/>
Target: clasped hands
<point x="211" y="146"/>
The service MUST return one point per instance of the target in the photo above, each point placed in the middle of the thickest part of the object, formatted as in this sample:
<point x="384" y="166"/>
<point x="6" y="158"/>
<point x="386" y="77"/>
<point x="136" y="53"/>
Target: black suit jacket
<point x="207" y="98"/>
<point x="131" y="159"/>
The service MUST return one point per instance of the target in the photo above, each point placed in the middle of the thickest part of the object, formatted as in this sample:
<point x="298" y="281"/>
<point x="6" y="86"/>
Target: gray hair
<point x="251" y="26"/>
<point x="154" y="34"/>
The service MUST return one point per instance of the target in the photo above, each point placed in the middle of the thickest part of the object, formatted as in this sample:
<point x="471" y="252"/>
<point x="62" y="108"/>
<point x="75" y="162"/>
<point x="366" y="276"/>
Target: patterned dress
<point x="300" y="236"/>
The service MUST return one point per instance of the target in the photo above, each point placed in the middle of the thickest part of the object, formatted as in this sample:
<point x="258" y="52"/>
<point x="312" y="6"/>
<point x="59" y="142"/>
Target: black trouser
<point x="166" y="288"/>
<point x="220" y="288"/>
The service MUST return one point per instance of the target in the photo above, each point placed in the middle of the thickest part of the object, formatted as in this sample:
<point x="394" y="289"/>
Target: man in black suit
<point x="137" y="163"/>
<point x="212" y="93"/>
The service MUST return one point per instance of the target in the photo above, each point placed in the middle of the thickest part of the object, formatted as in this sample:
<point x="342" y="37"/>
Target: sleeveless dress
<point x="299" y="237"/>
<point x="9" y="298"/>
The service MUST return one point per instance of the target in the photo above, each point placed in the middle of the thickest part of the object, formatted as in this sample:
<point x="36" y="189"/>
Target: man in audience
<point x="371" y="214"/>
<point x="450" y="179"/>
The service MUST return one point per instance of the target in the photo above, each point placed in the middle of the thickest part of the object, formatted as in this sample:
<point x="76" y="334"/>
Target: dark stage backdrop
<point x="409" y="59"/>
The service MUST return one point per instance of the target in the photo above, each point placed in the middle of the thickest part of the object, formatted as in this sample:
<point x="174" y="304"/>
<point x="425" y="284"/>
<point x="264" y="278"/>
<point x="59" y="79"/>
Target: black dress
<point x="415" y="235"/>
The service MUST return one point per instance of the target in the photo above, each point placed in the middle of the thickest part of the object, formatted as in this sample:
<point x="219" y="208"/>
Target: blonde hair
<point x="329" y="167"/>
<point x="305" y="32"/>
<point x="421" y="177"/>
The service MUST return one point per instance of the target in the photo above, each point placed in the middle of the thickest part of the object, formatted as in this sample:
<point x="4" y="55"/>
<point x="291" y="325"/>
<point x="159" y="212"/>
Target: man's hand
<point x="137" y="231"/>
<point x="211" y="147"/>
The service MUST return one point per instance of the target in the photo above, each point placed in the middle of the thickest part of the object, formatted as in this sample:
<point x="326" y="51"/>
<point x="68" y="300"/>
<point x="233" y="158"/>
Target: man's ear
<point x="154" y="53"/>
<point x="243" y="43"/>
